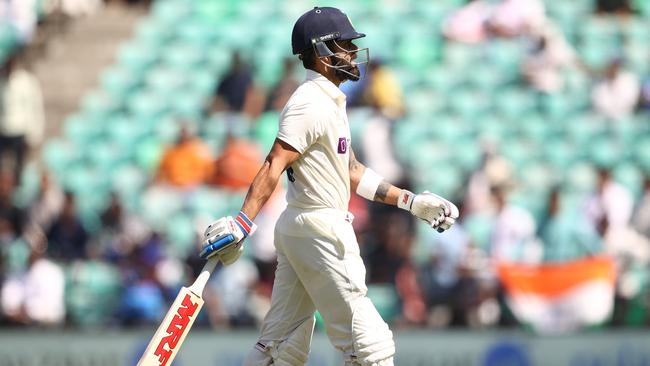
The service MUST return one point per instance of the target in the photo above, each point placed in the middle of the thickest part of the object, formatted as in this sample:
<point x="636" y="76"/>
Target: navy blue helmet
<point x="320" y="25"/>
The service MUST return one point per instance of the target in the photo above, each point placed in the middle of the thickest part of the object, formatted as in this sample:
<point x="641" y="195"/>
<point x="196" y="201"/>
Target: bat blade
<point x="171" y="333"/>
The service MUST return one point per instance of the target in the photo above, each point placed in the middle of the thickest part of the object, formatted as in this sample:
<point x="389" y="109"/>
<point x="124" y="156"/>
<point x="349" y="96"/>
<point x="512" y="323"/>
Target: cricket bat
<point x="171" y="333"/>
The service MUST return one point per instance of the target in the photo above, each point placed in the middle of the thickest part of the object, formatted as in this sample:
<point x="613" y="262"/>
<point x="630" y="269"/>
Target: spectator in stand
<point x="67" y="237"/>
<point x="513" y="18"/>
<point x="186" y="164"/>
<point x="641" y="215"/>
<point x="550" y="58"/>
<point x="611" y="200"/>
<point x="494" y="170"/>
<point x="22" y="16"/>
<point x="47" y="204"/>
<point x="35" y="295"/>
<point x="384" y="95"/>
<point x="283" y="89"/>
<point x="450" y="288"/>
<point x="616" y="95"/>
<point x="383" y="91"/>
<point x="566" y="232"/>
<point x="22" y="120"/>
<point x="121" y="231"/>
<point x="644" y="96"/>
<point x="263" y="249"/>
<point x="237" y="91"/>
<point x="513" y="237"/>
<point x="387" y="251"/>
<point x="12" y="218"/>
<point x="237" y="165"/>
<point x="467" y="24"/>
<point x="143" y="299"/>
<point x="619" y="7"/>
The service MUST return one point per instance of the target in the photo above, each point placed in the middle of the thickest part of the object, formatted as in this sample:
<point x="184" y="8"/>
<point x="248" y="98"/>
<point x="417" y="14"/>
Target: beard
<point x="350" y="71"/>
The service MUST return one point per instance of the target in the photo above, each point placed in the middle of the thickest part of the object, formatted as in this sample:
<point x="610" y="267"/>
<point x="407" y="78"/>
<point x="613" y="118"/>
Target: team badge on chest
<point x="343" y="145"/>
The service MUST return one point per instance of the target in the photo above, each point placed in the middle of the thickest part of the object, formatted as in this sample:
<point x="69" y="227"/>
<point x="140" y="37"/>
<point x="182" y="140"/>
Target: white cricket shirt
<point x="315" y="123"/>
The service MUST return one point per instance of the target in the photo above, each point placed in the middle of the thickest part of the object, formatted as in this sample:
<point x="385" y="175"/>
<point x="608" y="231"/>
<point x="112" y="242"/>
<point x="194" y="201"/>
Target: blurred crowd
<point x="57" y="271"/>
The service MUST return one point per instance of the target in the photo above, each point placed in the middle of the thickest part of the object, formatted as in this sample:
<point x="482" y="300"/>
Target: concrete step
<point x="74" y="59"/>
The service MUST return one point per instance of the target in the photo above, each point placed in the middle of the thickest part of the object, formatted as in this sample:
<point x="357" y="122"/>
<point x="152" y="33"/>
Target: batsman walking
<point x="319" y="265"/>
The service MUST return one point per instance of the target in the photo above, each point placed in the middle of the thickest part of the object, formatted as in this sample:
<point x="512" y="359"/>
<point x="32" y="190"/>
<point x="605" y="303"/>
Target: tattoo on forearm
<point x="382" y="191"/>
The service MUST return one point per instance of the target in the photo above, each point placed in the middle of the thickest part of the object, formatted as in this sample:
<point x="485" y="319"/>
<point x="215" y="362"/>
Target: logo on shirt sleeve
<point x="343" y="145"/>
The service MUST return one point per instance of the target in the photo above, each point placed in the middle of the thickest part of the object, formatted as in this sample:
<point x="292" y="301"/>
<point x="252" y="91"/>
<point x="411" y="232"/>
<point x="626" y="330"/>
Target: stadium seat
<point x="266" y="128"/>
<point x="386" y="300"/>
<point x="92" y="292"/>
<point x="181" y="234"/>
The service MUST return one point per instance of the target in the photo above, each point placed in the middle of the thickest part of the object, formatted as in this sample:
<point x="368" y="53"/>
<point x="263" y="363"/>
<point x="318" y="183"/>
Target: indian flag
<point x="560" y="297"/>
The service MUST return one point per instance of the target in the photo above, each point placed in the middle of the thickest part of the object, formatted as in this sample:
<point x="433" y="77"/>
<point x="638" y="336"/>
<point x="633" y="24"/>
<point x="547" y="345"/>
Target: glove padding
<point x="225" y="236"/>
<point x="438" y="212"/>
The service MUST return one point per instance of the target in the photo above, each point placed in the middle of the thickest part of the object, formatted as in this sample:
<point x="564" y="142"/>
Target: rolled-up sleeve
<point x="300" y="125"/>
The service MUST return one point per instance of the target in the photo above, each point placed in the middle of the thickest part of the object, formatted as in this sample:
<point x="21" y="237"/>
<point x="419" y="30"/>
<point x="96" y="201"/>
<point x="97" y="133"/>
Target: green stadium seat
<point x="266" y="129"/>
<point x="81" y="129"/>
<point x="534" y="127"/>
<point x="182" y="57"/>
<point x="165" y="81"/>
<point x="171" y="13"/>
<point x="417" y="52"/>
<point x="98" y="105"/>
<point x="580" y="178"/>
<point x="92" y="293"/>
<point x="152" y="33"/>
<point x="560" y="154"/>
<point x="469" y="104"/>
<point x="158" y="205"/>
<point x="599" y="30"/>
<point x="181" y="234"/>
<point x="211" y="202"/>
<point x="557" y="107"/>
<point x="505" y="55"/>
<point x="605" y="152"/>
<point x="442" y="79"/>
<point x="631" y="177"/>
<point x="641" y="153"/>
<point x="147" y="105"/>
<point x="148" y="153"/>
<point x="515" y="103"/>
<point x="461" y="56"/>
<point x="125" y="132"/>
<point x="119" y="83"/>
<point x="386" y="300"/>
<point x="137" y="57"/>
<point x="479" y="228"/>
<point x="188" y="105"/>
<point x="597" y="54"/>
<point x="212" y="11"/>
<point x="128" y="181"/>
<point x="424" y="102"/>
<point x="59" y="154"/>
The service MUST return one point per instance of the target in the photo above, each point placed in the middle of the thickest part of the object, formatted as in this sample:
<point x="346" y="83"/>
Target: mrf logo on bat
<point x="175" y="330"/>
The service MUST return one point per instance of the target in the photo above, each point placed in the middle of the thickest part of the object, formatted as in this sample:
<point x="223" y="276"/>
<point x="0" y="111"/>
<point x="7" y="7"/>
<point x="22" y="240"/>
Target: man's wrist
<point x="405" y="200"/>
<point x="246" y="225"/>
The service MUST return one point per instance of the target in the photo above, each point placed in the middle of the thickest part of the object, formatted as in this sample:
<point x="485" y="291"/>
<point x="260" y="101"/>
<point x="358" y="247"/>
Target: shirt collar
<point x="328" y="87"/>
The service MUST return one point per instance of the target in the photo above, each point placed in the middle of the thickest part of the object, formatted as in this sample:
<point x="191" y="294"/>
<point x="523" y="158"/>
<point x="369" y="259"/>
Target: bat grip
<point x="198" y="285"/>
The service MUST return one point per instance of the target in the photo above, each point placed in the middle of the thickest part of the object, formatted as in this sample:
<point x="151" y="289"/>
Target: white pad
<point x="373" y="340"/>
<point x="369" y="183"/>
<point x="293" y="351"/>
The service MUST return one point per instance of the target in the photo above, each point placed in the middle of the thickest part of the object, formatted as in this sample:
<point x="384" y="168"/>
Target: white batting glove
<point x="438" y="212"/>
<point x="224" y="238"/>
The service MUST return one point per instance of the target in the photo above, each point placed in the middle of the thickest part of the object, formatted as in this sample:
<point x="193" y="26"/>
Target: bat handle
<point x="198" y="285"/>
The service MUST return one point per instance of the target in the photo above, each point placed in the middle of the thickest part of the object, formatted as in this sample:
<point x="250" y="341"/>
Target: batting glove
<point x="224" y="238"/>
<point x="438" y="212"/>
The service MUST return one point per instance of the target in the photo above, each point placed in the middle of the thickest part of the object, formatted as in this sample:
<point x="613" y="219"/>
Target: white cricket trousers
<point x="320" y="268"/>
